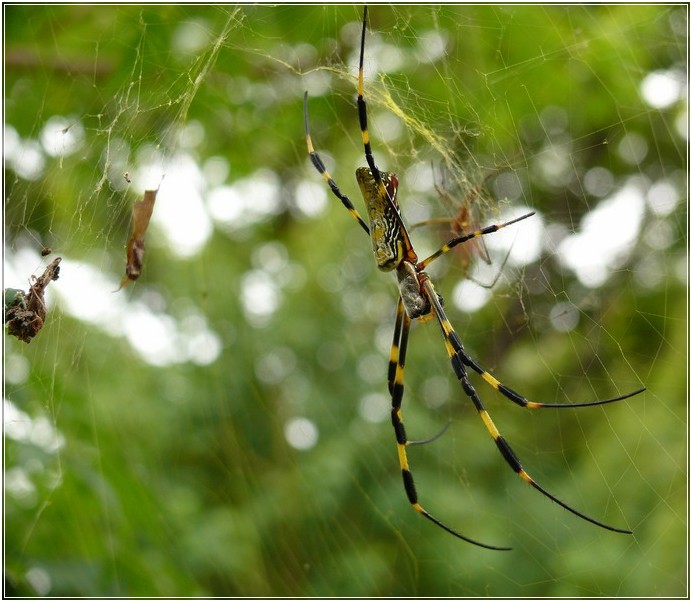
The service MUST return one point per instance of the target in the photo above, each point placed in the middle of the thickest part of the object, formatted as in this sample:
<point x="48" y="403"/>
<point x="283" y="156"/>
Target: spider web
<point x="220" y="427"/>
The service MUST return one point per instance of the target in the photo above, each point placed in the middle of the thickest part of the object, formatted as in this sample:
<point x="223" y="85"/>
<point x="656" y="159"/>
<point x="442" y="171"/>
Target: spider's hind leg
<point x="456" y="354"/>
<point x="396" y="388"/>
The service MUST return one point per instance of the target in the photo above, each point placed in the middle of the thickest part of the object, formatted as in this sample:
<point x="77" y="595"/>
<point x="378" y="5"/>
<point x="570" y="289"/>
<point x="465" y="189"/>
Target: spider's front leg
<point x="322" y="170"/>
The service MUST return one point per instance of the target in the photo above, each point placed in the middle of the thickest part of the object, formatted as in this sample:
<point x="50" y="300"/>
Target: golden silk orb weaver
<point x="418" y="299"/>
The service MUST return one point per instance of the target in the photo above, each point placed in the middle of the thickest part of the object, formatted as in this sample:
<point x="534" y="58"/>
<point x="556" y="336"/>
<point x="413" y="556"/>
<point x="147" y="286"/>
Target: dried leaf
<point x="141" y="214"/>
<point x="25" y="313"/>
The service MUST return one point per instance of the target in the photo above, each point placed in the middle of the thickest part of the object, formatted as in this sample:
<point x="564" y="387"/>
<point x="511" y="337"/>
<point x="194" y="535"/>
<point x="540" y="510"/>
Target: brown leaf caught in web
<point x="141" y="214"/>
<point x="25" y="313"/>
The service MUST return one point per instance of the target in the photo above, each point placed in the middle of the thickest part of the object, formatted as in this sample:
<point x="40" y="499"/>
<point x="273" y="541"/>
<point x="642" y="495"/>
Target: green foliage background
<point x="179" y="481"/>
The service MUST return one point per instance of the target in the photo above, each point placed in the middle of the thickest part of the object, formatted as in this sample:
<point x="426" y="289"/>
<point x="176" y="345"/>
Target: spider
<point x="417" y="300"/>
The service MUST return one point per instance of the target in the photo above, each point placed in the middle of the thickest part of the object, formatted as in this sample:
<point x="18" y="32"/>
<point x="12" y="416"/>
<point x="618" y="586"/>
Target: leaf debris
<point x="25" y="313"/>
<point x="141" y="214"/>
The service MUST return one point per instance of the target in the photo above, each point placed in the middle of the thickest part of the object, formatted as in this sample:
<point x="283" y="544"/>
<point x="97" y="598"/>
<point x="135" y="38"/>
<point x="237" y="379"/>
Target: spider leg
<point x="362" y="110"/>
<point x="454" y="351"/>
<point x="466" y="237"/>
<point x="396" y="389"/>
<point x="506" y="391"/>
<point x="363" y="115"/>
<point x="396" y="359"/>
<point x="435" y="437"/>
<point x="510" y="393"/>
<point x="319" y="166"/>
<point x="518" y="398"/>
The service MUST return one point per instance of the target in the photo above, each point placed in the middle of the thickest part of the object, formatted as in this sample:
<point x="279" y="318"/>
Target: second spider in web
<point x="418" y="299"/>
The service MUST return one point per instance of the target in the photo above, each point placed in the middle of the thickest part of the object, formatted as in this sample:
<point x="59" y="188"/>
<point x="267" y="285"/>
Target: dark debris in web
<point x="25" y="312"/>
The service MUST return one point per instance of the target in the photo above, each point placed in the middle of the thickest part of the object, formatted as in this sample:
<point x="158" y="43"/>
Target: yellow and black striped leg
<point x="363" y="115"/>
<point x="397" y="358"/>
<point x="518" y="398"/>
<point x="454" y="351"/>
<point x="509" y="393"/>
<point x="466" y="237"/>
<point x="319" y="166"/>
<point x="362" y="110"/>
<point x="396" y="388"/>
